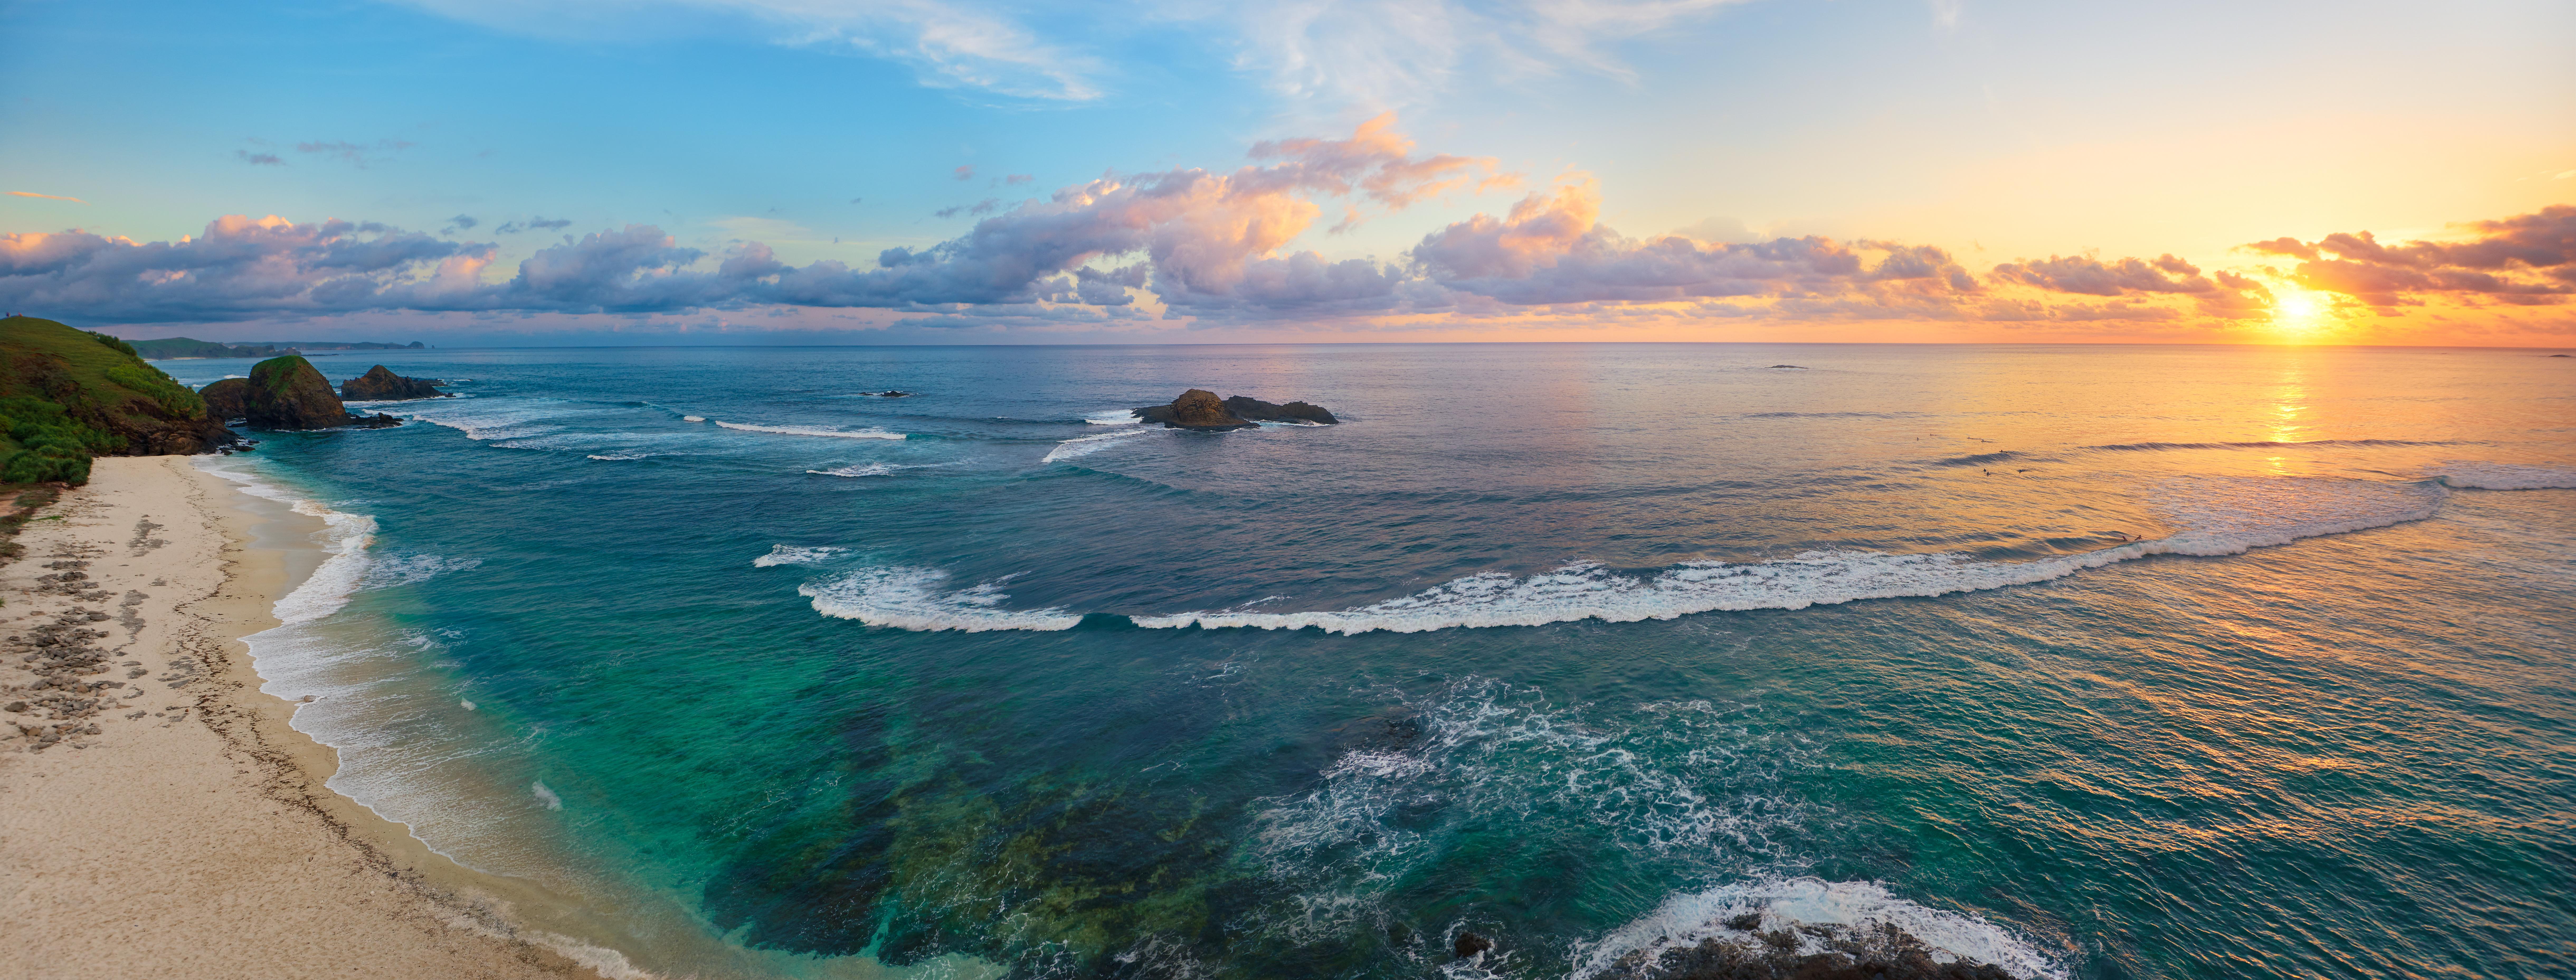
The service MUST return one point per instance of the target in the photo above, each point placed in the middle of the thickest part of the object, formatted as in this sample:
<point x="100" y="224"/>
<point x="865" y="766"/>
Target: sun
<point x="2296" y="309"/>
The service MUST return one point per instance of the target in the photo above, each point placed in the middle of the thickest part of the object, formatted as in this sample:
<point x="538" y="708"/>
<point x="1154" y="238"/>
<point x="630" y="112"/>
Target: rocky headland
<point x="67" y="396"/>
<point x="380" y="384"/>
<point x="288" y="393"/>
<point x="1199" y="409"/>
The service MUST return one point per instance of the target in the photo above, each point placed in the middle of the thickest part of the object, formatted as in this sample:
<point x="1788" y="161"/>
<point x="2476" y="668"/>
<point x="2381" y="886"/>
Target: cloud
<point x="259" y="159"/>
<point x="2525" y="260"/>
<point x="1551" y="249"/>
<point x="966" y="172"/>
<point x="49" y="197"/>
<point x="533" y="224"/>
<point x="463" y="221"/>
<point x="357" y="154"/>
<point x="1019" y="178"/>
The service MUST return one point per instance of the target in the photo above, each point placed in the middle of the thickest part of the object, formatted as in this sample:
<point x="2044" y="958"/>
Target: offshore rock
<point x="382" y="385"/>
<point x="1197" y="409"/>
<point x="288" y="393"/>
<point x="1244" y="406"/>
<point x="227" y="399"/>
<point x="1200" y="409"/>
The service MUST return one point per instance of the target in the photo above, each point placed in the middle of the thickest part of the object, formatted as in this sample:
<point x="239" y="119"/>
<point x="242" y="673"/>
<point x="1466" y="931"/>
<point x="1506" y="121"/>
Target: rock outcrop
<point x="382" y="385"/>
<point x="288" y="393"/>
<point x="1200" y="409"/>
<point x="227" y="399"/>
<point x="1197" y="409"/>
<point x="1260" y="411"/>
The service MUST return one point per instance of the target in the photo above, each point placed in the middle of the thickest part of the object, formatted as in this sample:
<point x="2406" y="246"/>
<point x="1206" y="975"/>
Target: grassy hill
<point x="67" y="395"/>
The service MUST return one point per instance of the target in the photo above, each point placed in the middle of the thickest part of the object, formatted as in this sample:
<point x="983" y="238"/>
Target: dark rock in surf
<point x="1470" y="944"/>
<point x="382" y="385"/>
<point x="1200" y="409"/>
<point x="379" y="420"/>
<point x="1197" y="409"/>
<point x="1792" y="367"/>
<point x="1844" y="953"/>
<point x="888" y="393"/>
<point x="1260" y="411"/>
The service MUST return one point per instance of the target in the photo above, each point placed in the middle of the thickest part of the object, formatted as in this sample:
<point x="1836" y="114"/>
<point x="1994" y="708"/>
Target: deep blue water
<point x="2089" y="661"/>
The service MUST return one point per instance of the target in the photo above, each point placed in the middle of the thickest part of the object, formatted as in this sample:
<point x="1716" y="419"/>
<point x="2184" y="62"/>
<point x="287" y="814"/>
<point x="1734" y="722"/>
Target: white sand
<point x="197" y="839"/>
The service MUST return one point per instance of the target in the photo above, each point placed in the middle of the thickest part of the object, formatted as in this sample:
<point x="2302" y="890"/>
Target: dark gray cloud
<point x="259" y="159"/>
<point x="358" y="155"/>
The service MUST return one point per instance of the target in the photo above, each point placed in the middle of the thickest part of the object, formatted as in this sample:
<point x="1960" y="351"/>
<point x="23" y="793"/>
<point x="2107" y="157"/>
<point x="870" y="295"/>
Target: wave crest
<point x="2506" y="476"/>
<point x="917" y="599"/>
<point x="809" y="430"/>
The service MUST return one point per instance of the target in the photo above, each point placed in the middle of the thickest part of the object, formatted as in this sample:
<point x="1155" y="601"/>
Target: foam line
<point x="808" y="430"/>
<point x="2221" y="517"/>
<point x="345" y="539"/>
<point x="918" y="599"/>
<point x="2506" y="476"/>
<point x="1685" y="920"/>
<point x="1086" y="445"/>
<point x="792" y="555"/>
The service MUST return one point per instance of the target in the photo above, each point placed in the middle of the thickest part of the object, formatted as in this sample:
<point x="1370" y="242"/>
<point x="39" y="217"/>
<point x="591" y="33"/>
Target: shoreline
<point x="195" y="830"/>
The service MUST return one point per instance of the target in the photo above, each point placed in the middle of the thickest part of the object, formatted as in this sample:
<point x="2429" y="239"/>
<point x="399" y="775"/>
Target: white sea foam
<point x="1685" y="920"/>
<point x="491" y="419"/>
<point x="808" y="430"/>
<point x="1679" y="786"/>
<point x="792" y="555"/>
<point x="862" y="469"/>
<point x="547" y="796"/>
<point x="918" y="599"/>
<point x="2219" y="517"/>
<point x="2506" y="476"/>
<point x="693" y="418"/>
<point x="1086" y="445"/>
<point x="344" y="539"/>
<point x="1115" y="416"/>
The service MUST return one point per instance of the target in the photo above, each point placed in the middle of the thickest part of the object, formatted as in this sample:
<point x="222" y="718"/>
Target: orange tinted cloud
<point x="49" y="197"/>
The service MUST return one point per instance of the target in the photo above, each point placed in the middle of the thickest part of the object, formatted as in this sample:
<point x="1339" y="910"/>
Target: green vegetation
<point x="68" y="395"/>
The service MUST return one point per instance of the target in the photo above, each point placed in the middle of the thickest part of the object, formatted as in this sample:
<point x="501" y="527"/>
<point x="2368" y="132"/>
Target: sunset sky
<point x="581" y="171"/>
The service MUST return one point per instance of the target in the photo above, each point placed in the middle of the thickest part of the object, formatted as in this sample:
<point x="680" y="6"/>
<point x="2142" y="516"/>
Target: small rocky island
<point x="286" y="393"/>
<point x="381" y="385"/>
<point x="1200" y="410"/>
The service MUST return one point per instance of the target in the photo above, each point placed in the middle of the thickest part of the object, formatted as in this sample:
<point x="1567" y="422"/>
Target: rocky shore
<point x="158" y="817"/>
<point x="289" y="393"/>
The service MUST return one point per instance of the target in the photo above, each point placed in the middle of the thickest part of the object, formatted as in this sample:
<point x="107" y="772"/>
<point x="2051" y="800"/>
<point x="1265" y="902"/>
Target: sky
<point x="468" y="172"/>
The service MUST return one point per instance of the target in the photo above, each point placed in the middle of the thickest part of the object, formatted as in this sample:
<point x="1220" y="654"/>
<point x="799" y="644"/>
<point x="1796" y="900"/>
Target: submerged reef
<point x="1199" y="409"/>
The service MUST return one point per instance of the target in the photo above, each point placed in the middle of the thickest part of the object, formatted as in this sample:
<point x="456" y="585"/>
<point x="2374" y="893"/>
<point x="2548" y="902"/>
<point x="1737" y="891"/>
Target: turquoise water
<point x="2089" y="662"/>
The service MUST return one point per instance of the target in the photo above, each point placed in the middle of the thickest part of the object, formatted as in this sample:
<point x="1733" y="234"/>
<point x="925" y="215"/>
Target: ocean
<point x="2098" y="662"/>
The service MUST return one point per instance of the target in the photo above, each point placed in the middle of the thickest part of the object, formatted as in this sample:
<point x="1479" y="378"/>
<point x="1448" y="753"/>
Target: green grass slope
<point x="67" y="395"/>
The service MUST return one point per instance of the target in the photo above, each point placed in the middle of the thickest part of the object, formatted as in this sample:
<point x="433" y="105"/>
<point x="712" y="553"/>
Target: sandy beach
<point x="157" y="814"/>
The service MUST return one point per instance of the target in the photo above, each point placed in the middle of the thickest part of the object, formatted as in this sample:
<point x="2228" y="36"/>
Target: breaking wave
<point x="808" y="430"/>
<point x="2506" y="476"/>
<point x="1115" y="416"/>
<point x="2219" y="516"/>
<point x="344" y="539"/>
<point x="1087" y="445"/>
<point x="786" y="554"/>
<point x="918" y="599"/>
<point x="1784" y="904"/>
